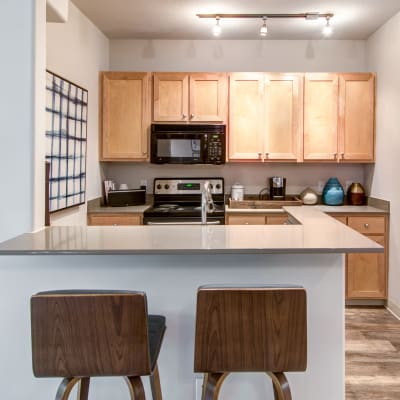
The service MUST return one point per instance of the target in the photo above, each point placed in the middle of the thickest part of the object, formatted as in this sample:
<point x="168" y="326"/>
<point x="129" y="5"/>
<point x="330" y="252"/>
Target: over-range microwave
<point x="187" y="144"/>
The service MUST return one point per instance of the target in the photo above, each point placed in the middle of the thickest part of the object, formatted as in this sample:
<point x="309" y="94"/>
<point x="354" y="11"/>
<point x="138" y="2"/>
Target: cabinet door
<point x="246" y="220"/>
<point x="320" y="117"/>
<point x="366" y="274"/>
<point x="208" y="97"/>
<point x="246" y="119"/>
<point x="356" y="117"/>
<point x="125" y="102"/>
<point x="283" y="116"/>
<point x="170" y="97"/>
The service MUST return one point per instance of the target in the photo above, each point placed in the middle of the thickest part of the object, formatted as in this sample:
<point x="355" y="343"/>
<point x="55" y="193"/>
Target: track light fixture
<point x="216" y="28"/>
<point x="264" y="29"/>
<point x="327" y="30"/>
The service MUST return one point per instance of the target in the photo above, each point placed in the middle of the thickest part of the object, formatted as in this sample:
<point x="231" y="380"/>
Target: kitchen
<point x="192" y="55"/>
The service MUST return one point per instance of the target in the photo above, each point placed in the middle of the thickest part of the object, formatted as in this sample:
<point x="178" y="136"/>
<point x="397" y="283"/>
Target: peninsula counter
<point x="169" y="263"/>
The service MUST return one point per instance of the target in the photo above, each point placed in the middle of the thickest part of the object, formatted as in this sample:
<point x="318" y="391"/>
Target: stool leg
<point x="135" y="386"/>
<point x="281" y="386"/>
<point x="212" y="384"/>
<point x="155" y="384"/>
<point x="83" y="391"/>
<point x="65" y="388"/>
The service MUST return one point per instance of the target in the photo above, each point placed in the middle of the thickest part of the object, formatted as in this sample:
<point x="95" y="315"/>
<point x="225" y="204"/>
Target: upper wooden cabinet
<point x="339" y="114"/>
<point x="125" y="115"/>
<point x="196" y="97"/>
<point x="265" y="116"/>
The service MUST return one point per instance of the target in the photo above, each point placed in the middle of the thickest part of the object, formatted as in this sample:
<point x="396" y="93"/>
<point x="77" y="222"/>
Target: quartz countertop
<point x="316" y="233"/>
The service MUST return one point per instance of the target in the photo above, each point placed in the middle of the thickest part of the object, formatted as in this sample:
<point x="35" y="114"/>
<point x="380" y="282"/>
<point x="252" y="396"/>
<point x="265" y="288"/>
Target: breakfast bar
<point x="169" y="264"/>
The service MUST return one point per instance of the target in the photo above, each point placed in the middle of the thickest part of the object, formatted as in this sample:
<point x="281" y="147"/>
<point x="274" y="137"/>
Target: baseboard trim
<point x="365" y="303"/>
<point x="393" y="308"/>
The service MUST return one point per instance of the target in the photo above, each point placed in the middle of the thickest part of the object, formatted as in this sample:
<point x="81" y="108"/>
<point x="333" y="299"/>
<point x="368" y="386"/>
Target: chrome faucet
<point x="207" y="203"/>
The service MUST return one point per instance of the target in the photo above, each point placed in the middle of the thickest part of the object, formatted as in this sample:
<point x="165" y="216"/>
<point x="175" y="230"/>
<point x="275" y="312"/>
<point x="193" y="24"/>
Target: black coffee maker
<point x="277" y="188"/>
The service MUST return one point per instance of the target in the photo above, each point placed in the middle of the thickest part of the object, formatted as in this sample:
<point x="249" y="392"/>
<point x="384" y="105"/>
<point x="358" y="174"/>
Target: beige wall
<point x="238" y="55"/>
<point x="77" y="51"/>
<point x="384" y="58"/>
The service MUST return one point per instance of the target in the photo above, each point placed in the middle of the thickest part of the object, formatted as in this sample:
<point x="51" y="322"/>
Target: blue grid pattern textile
<point x="66" y="131"/>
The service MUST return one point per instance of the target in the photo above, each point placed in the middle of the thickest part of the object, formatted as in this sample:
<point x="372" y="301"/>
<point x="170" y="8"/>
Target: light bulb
<point x="264" y="29"/>
<point x="216" y="30"/>
<point x="327" y="31"/>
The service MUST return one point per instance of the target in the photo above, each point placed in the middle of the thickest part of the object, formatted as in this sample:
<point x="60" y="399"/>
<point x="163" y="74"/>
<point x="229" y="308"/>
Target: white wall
<point x="238" y="55"/>
<point x="384" y="58"/>
<point x="16" y="116"/>
<point x="77" y="51"/>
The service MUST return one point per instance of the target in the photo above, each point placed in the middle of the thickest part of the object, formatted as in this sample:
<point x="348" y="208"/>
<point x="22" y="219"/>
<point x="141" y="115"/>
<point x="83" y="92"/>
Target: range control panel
<point x="187" y="185"/>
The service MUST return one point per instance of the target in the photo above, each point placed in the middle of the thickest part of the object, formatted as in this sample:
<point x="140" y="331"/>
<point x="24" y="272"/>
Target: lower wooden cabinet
<point x="366" y="274"/>
<point x="256" y="219"/>
<point x="115" y="219"/>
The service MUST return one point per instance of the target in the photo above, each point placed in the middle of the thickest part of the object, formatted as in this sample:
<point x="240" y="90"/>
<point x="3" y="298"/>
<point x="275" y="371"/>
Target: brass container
<point x="356" y="194"/>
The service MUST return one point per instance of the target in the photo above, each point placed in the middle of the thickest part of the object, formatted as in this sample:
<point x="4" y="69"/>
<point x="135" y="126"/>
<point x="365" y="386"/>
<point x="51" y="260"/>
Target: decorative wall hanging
<point x="66" y="132"/>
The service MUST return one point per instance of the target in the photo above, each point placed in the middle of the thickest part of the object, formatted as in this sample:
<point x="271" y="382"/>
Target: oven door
<point x="181" y="221"/>
<point x="178" y="148"/>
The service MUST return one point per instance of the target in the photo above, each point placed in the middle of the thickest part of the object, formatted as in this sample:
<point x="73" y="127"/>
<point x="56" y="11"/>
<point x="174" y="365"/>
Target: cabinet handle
<point x="184" y="116"/>
<point x="192" y="116"/>
<point x="366" y="225"/>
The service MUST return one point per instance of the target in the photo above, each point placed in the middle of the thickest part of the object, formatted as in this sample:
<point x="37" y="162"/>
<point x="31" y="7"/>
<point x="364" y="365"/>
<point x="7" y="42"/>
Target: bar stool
<point x="78" y="334"/>
<point x="250" y="329"/>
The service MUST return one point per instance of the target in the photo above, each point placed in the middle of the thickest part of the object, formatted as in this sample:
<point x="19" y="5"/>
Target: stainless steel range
<point x="180" y="200"/>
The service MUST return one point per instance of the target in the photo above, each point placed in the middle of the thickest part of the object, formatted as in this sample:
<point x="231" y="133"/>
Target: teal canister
<point x="333" y="193"/>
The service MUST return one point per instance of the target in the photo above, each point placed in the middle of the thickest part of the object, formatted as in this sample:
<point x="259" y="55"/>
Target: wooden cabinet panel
<point x="340" y="218"/>
<point x="114" y="219"/>
<point x="208" y="97"/>
<point x="283" y="116"/>
<point x="245" y="219"/>
<point x="366" y="274"/>
<point x="356" y="117"/>
<point x="320" y="116"/>
<point x="246" y="121"/>
<point x="125" y="115"/>
<point x="170" y="101"/>
<point x="196" y="97"/>
<point x="367" y="225"/>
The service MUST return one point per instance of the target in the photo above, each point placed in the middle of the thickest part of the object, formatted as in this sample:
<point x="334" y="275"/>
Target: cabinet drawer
<point x="367" y="225"/>
<point x="246" y="220"/>
<point x="277" y="219"/>
<point x="114" y="219"/>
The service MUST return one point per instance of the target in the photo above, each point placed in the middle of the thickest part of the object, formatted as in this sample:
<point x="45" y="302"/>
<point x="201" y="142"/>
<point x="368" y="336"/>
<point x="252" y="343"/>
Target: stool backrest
<point x="251" y="329"/>
<point x="86" y="334"/>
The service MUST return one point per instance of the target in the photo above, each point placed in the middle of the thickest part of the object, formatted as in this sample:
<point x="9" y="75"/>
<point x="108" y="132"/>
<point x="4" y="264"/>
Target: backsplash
<point x="253" y="176"/>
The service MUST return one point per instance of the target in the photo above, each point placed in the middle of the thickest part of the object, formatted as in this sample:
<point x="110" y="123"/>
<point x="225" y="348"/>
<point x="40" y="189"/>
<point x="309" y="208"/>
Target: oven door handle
<point x="183" y="223"/>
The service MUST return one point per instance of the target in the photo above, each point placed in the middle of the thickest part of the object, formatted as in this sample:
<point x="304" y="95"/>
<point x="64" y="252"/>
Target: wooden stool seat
<point x="250" y="329"/>
<point x="78" y="334"/>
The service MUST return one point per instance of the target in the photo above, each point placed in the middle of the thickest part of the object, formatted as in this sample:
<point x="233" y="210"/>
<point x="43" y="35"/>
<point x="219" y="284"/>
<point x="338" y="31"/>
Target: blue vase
<point x="333" y="193"/>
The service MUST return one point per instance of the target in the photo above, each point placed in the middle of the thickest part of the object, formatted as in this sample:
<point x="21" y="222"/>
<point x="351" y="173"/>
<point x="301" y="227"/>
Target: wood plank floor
<point x="372" y="354"/>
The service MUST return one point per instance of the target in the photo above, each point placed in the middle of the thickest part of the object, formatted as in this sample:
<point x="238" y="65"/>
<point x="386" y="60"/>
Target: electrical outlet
<point x="143" y="182"/>
<point x="320" y="186"/>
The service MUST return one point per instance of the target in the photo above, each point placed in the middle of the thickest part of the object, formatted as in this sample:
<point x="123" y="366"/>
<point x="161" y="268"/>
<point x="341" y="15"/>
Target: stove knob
<point x="218" y="186"/>
<point x="211" y="186"/>
<point x="166" y="186"/>
<point x="159" y="187"/>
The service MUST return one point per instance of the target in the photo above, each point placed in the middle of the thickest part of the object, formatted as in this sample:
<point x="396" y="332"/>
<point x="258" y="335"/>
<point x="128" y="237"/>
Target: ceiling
<point x="176" y="19"/>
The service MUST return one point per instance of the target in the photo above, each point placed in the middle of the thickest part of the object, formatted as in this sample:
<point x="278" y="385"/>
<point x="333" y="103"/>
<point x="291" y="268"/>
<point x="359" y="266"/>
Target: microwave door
<point x="179" y="149"/>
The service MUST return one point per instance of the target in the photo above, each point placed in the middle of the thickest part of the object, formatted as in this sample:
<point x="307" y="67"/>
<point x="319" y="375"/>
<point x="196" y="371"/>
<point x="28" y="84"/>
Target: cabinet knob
<point x="335" y="156"/>
<point x="259" y="154"/>
<point x="266" y="155"/>
<point x="184" y="116"/>
<point x="366" y="225"/>
<point x="192" y="116"/>
<point x="144" y="152"/>
<point x="342" y="156"/>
